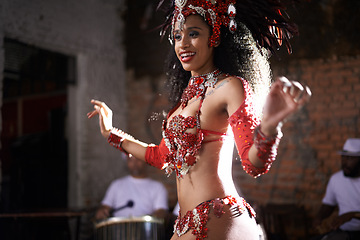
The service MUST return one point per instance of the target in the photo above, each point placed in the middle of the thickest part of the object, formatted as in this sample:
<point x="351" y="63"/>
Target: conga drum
<point x="134" y="228"/>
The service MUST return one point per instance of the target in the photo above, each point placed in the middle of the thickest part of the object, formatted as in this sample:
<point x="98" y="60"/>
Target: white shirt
<point x="344" y="192"/>
<point x="148" y="196"/>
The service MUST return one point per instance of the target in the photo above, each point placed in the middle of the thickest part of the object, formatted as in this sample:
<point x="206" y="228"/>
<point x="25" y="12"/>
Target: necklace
<point x="197" y="86"/>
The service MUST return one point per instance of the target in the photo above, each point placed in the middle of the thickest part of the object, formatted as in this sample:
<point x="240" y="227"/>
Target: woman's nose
<point x="184" y="42"/>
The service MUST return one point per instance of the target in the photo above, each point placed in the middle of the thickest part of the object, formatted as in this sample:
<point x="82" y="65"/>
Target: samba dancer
<point x="215" y="73"/>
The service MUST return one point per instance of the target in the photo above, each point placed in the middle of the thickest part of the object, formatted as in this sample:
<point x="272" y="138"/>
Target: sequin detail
<point x="243" y="123"/>
<point x="197" y="86"/>
<point x="216" y="13"/>
<point x="116" y="137"/>
<point x="197" y="219"/>
<point x="182" y="144"/>
<point x="266" y="146"/>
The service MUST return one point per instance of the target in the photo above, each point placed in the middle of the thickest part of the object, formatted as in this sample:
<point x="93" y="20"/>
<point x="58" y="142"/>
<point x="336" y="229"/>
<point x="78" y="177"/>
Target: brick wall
<point x="313" y="137"/>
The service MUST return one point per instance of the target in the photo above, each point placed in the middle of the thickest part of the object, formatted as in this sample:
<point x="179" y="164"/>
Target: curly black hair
<point x="261" y="28"/>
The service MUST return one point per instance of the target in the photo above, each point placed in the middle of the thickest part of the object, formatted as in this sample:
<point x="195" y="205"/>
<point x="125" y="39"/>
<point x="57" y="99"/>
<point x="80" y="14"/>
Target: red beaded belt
<point x="198" y="217"/>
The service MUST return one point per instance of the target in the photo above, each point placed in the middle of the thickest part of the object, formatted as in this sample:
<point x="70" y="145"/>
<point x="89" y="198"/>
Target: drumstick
<point x="130" y="204"/>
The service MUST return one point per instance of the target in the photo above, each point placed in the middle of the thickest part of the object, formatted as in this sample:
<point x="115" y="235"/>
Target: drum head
<point x="134" y="228"/>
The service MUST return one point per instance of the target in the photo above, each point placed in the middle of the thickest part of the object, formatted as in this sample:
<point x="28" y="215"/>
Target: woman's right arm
<point x="125" y="141"/>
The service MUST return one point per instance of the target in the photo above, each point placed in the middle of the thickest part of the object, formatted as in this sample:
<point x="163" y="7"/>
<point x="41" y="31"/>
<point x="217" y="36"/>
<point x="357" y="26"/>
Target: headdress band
<point x="266" y="19"/>
<point x="215" y="13"/>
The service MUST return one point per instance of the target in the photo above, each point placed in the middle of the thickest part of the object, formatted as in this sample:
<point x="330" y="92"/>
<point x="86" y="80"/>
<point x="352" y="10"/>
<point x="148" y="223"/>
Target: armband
<point x="156" y="155"/>
<point x="267" y="146"/>
<point x="117" y="137"/>
<point x="245" y="126"/>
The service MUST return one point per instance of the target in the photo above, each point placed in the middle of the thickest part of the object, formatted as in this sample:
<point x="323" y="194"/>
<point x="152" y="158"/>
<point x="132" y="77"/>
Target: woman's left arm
<point x="284" y="99"/>
<point x="257" y="144"/>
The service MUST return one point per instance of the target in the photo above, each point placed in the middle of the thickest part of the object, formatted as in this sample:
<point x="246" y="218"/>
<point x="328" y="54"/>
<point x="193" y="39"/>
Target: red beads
<point x="244" y="122"/>
<point x="197" y="219"/>
<point x="182" y="145"/>
<point x="215" y="13"/>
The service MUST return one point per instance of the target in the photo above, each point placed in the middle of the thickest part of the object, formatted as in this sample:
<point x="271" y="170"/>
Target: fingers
<point x="293" y="88"/>
<point x="100" y="108"/>
<point x="96" y="102"/>
<point x="297" y="92"/>
<point x="91" y="114"/>
<point x="94" y="112"/>
<point x="103" y="112"/>
<point x="286" y="84"/>
<point x="99" y="104"/>
<point x="305" y="97"/>
<point x="102" y="213"/>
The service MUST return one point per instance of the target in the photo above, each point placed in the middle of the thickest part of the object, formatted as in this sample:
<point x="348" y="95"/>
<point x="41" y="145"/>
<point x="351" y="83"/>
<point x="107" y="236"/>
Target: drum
<point x="135" y="228"/>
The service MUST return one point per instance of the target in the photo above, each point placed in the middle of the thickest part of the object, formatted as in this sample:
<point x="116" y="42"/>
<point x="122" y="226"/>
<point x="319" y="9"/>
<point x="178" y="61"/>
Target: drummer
<point x="134" y="195"/>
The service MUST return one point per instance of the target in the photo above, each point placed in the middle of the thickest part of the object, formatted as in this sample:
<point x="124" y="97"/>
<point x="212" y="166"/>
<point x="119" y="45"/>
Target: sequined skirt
<point x="197" y="218"/>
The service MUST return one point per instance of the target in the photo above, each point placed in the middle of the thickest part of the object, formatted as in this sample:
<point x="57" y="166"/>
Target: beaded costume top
<point x="184" y="145"/>
<point x="179" y="148"/>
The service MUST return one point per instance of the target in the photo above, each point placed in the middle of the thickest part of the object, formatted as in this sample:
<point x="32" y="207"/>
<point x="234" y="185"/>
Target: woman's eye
<point x="193" y="34"/>
<point x="177" y="37"/>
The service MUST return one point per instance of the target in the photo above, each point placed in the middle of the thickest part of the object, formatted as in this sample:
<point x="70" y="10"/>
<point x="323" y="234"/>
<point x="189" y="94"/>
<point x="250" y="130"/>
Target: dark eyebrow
<point x="189" y="28"/>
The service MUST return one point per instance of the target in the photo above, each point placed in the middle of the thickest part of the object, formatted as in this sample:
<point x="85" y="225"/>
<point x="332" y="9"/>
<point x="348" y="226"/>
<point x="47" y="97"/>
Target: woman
<point x="212" y="48"/>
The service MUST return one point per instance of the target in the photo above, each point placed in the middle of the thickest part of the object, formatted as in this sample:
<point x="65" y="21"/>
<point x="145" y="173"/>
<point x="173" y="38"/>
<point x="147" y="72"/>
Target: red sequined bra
<point x="183" y="146"/>
<point x="179" y="148"/>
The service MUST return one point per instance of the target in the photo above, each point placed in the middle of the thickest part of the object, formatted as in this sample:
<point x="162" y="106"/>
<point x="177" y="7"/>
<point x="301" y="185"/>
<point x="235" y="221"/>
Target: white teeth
<point x="187" y="55"/>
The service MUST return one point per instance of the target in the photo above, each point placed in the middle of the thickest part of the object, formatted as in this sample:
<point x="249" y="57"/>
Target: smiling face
<point x="192" y="46"/>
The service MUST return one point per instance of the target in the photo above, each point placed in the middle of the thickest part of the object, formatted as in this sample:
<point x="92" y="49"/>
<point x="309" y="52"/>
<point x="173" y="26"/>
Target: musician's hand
<point x="340" y="220"/>
<point x="103" y="212"/>
<point x="105" y="117"/>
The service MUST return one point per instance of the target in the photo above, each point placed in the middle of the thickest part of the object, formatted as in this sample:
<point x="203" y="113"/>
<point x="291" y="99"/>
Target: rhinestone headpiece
<point x="216" y="13"/>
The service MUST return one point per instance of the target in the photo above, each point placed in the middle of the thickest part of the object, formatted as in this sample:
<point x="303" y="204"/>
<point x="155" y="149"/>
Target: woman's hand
<point x="105" y="117"/>
<point x="284" y="99"/>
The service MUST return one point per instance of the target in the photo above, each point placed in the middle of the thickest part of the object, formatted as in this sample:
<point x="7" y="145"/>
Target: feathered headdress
<point x="266" y="19"/>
